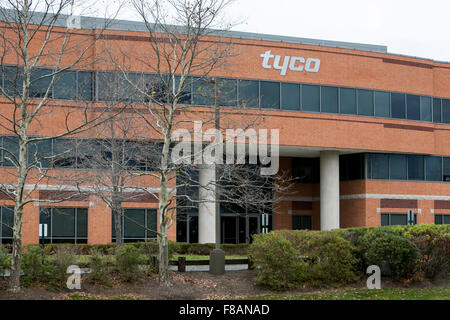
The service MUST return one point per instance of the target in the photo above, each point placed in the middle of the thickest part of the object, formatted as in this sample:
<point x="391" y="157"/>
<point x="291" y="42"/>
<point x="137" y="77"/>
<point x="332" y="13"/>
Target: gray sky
<point x="410" y="27"/>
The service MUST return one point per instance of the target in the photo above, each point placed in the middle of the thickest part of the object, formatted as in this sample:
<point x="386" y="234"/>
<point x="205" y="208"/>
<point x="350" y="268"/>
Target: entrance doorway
<point x="237" y="229"/>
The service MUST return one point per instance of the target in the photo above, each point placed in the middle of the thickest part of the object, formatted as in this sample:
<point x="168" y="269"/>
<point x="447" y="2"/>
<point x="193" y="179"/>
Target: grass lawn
<point x="200" y="257"/>
<point x="366" y="294"/>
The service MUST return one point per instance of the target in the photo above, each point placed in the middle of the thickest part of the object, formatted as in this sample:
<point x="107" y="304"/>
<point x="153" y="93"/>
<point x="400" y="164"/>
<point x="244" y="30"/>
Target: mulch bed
<point x="186" y="286"/>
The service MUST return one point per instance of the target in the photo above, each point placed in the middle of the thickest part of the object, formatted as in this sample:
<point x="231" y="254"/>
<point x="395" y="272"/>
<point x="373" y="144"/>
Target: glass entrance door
<point x="237" y="229"/>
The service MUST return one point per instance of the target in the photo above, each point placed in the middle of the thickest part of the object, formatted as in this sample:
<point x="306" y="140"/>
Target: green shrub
<point x="4" y="260"/>
<point x="56" y="269"/>
<point x="385" y="247"/>
<point x="99" y="268"/>
<point x="277" y="262"/>
<point x="328" y="255"/>
<point x="433" y="243"/>
<point x="32" y="265"/>
<point x="127" y="261"/>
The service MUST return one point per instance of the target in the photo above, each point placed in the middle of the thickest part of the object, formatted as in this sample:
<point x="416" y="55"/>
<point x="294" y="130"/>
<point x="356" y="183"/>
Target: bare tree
<point x="184" y="45"/>
<point x="38" y="49"/>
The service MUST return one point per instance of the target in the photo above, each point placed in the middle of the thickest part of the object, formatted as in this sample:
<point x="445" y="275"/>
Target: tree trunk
<point x="118" y="227"/>
<point x="163" y="275"/>
<point x="14" y="279"/>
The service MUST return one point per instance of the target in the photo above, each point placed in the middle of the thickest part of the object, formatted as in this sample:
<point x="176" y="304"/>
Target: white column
<point x="329" y="190"/>
<point x="207" y="205"/>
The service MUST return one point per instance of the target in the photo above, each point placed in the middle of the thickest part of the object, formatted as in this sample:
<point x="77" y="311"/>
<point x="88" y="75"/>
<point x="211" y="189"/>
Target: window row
<point x="137" y="225"/>
<point x="64" y="225"/>
<point x="408" y="167"/>
<point x="394" y="219"/>
<point x="442" y="219"/>
<point x="103" y="86"/>
<point x="82" y="153"/>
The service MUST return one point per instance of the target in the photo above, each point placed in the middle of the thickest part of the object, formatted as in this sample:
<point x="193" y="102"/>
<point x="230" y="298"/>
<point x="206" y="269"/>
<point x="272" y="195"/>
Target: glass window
<point x="433" y="168"/>
<point x="380" y="166"/>
<point x="64" y="153"/>
<point x="365" y="102"/>
<point x="40" y="80"/>
<point x="413" y="107"/>
<point x="152" y="223"/>
<point x="426" y="113"/>
<point x="201" y="89"/>
<point x="85" y="85"/>
<point x="39" y="153"/>
<point x="248" y="94"/>
<point x="397" y="167"/>
<point x="398" y="105"/>
<point x="65" y="224"/>
<point x="329" y="99"/>
<point x="138" y="224"/>
<point x="227" y="92"/>
<point x="399" y="219"/>
<point x="290" y="96"/>
<point x="270" y="94"/>
<point x="301" y="222"/>
<point x="13" y="79"/>
<point x="446" y="111"/>
<point x="382" y="104"/>
<point x="436" y="110"/>
<point x="10" y="150"/>
<point x="310" y="97"/>
<point x="385" y="219"/>
<point x="107" y="86"/>
<point x="415" y="168"/>
<point x="442" y="219"/>
<point x="65" y="85"/>
<point x="203" y="92"/>
<point x="134" y="219"/>
<point x="446" y="169"/>
<point x="347" y="98"/>
<point x="156" y="87"/>
<point x="6" y="223"/>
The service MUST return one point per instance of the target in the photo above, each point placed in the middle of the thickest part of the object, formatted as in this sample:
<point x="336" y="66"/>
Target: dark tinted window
<point x="85" y="85"/>
<point x="134" y="219"/>
<point x="379" y="166"/>
<point x="433" y="169"/>
<point x="426" y="112"/>
<point x="399" y="219"/>
<point x="329" y="99"/>
<point x="398" y="105"/>
<point x="310" y="98"/>
<point x="446" y="110"/>
<point x="6" y="222"/>
<point x="446" y="169"/>
<point x="203" y="92"/>
<point x="416" y="168"/>
<point x="39" y="153"/>
<point x="270" y="94"/>
<point x="413" y="107"/>
<point x="248" y="94"/>
<point x="227" y="92"/>
<point x="385" y="219"/>
<point x="66" y="85"/>
<point x="290" y="96"/>
<point x="347" y="98"/>
<point x="397" y="167"/>
<point x="382" y="104"/>
<point x="10" y="151"/>
<point x="301" y="222"/>
<point x="437" y="110"/>
<point x="365" y="102"/>
<point x="13" y="79"/>
<point x="40" y="82"/>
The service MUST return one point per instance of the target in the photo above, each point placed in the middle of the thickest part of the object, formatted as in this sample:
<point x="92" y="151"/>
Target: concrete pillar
<point x="329" y="190"/>
<point x="207" y="205"/>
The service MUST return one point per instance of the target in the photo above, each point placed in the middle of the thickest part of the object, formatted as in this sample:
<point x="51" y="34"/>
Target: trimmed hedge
<point x="150" y="248"/>
<point x="287" y="259"/>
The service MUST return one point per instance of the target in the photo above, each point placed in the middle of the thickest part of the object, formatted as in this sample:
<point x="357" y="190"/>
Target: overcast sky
<point x="411" y="27"/>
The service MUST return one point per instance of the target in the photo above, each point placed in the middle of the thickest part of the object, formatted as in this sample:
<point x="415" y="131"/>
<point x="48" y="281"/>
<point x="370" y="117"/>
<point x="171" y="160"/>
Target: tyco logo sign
<point x="293" y="63"/>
